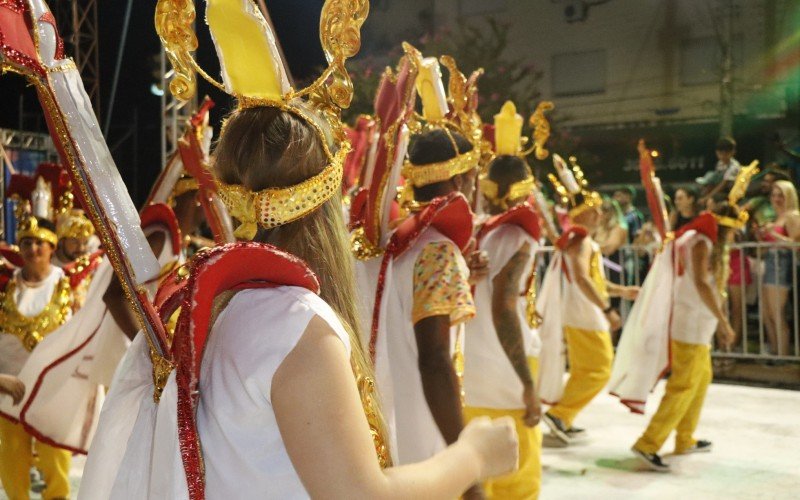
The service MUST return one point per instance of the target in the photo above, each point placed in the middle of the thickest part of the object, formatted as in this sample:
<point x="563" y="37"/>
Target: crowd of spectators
<point x="763" y="267"/>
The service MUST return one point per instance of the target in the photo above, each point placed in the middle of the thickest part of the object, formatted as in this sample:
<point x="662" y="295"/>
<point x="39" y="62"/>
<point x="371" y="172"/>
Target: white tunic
<point x="692" y="321"/>
<point x="578" y="311"/>
<point x="136" y="454"/>
<point x="417" y="435"/>
<point x="489" y="378"/>
<point x="30" y="302"/>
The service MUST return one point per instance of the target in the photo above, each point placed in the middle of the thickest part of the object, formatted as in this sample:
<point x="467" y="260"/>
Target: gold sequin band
<point x="422" y="175"/>
<point x="519" y="189"/>
<point x="273" y="207"/>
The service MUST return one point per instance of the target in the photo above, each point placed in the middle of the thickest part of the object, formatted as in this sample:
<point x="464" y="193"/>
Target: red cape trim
<point x="705" y="223"/>
<point x="522" y="216"/>
<point x="12" y="256"/>
<point x="37" y="385"/>
<point x="450" y="215"/>
<point x="212" y="272"/>
<point x="161" y="214"/>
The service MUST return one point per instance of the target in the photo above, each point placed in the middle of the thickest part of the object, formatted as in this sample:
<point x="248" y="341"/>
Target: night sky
<point x="138" y="155"/>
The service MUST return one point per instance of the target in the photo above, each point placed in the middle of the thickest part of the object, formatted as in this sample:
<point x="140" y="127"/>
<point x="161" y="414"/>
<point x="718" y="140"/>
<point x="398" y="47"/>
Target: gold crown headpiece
<point x="28" y="225"/>
<point x="254" y="73"/>
<point x="74" y="224"/>
<point x="572" y="187"/>
<point x="436" y="114"/>
<point x="736" y="193"/>
<point x="508" y="141"/>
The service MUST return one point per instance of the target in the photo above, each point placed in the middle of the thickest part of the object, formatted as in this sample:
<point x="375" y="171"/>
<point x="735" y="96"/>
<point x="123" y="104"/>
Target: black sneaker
<point x="651" y="460"/>
<point x="557" y="427"/>
<point x="699" y="447"/>
<point x="576" y="433"/>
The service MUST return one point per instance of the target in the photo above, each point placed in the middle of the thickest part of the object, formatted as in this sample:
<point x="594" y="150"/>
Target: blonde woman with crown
<point x="270" y="397"/>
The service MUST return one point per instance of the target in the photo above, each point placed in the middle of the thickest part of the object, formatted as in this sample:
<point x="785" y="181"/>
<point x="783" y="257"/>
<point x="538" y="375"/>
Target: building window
<point x="701" y="60"/>
<point x="480" y="7"/>
<point x="579" y="73"/>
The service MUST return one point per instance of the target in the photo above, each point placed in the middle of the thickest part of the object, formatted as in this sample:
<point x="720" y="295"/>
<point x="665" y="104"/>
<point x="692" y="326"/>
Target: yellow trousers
<point x="526" y="481"/>
<point x="16" y="459"/>
<point x="590" y="356"/>
<point x="680" y="407"/>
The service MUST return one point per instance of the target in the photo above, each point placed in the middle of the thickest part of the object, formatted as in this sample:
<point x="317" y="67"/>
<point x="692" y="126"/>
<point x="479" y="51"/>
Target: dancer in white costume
<point x="501" y="346"/>
<point x="265" y="404"/>
<point x="35" y="302"/>
<point x="698" y="280"/>
<point x="423" y="293"/>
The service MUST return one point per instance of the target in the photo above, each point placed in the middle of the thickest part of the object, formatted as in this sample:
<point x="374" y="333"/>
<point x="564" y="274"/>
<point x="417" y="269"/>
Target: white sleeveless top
<point x="692" y="322"/>
<point x="489" y="379"/>
<point x="243" y="450"/>
<point x="136" y="456"/>
<point x="577" y="310"/>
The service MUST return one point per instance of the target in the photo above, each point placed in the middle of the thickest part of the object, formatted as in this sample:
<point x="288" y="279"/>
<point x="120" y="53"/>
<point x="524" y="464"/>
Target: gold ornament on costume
<point x="255" y="75"/>
<point x="461" y="95"/>
<point x="74" y="224"/>
<point x="541" y="129"/>
<point x="572" y="187"/>
<point x="30" y="330"/>
<point x="736" y="193"/>
<point x="29" y="228"/>
<point x="509" y="142"/>
<point x="435" y="110"/>
<point x="273" y="207"/>
<point x="184" y="185"/>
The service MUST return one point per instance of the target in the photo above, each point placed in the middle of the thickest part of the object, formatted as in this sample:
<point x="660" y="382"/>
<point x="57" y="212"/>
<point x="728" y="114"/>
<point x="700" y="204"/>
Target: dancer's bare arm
<point x="325" y="432"/>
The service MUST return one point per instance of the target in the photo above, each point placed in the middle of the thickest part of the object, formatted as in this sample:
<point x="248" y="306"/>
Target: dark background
<point x="134" y="135"/>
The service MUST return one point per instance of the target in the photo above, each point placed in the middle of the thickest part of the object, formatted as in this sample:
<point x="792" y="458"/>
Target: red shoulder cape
<point x="210" y="273"/>
<point x="522" y="215"/>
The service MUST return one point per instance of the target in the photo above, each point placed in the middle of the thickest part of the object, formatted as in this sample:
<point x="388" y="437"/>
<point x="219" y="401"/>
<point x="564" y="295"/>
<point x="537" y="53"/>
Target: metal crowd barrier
<point x="634" y="261"/>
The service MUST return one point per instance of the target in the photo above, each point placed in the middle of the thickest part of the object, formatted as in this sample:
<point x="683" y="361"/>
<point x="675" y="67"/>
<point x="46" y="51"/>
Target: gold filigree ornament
<point x="572" y="187"/>
<point x="254" y="73"/>
<point x="30" y="330"/>
<point x="736" y="193"/>
<point x="440" y="112"/>
<point x="509" y="142"/>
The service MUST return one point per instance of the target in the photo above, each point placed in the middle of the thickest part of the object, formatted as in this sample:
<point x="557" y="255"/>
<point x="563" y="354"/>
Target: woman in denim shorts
<point x="778" y="264"/>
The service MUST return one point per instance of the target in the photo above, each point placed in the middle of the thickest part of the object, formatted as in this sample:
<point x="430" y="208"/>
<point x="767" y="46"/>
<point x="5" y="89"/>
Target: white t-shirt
<point x="490" y="380"/>
<point x="692" y="322"/>
<point x="30" y="302"/>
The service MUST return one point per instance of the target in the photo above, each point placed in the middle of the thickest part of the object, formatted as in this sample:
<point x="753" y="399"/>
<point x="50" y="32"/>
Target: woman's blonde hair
<point x="789" y="194"/>
<point x="266" y="147"/>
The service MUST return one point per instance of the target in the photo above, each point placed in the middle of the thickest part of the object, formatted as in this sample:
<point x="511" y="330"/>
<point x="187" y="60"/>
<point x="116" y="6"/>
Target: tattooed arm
<point x="508" y="324"/>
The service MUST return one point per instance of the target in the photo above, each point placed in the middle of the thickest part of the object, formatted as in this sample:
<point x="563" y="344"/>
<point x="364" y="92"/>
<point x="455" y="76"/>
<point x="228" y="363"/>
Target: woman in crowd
<point x="778" y="263"/>
<point x="686" y="207"/>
